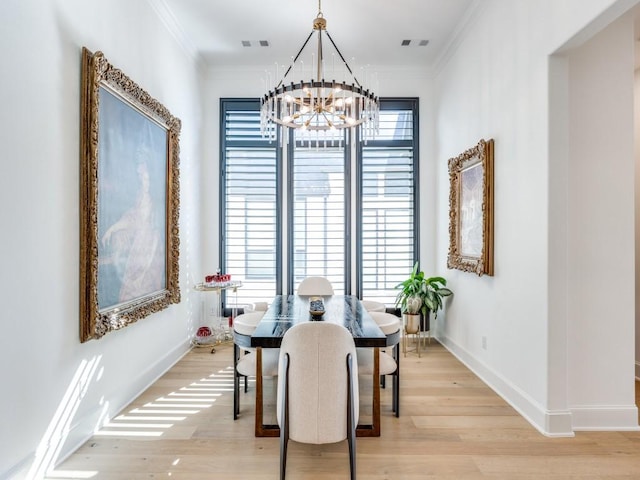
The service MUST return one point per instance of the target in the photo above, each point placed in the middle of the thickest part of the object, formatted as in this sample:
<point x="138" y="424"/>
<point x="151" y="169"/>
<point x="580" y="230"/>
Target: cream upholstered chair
<point x="373" y="306"/>
<point x="389" y="362"/>
<point x="315" y="286"/>
<point x="246" y="323"/>
<point x="257" y="307"/>
<point x="244" y="358"/>
<point x="246" y="366"/>
<point x="317" y="395"/>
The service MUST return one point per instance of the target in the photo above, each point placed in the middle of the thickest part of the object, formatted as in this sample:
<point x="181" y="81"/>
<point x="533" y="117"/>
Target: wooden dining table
<point x="286" y="311"/>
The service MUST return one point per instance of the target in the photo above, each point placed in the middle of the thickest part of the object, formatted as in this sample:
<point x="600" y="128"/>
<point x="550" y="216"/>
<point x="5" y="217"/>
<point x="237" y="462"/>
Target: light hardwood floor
<point x="452" y="427"/>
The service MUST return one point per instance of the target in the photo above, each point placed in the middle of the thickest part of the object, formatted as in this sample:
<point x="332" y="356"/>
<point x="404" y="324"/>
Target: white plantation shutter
<point x="388" y="229"/>
<point x="318" y="215"/>
<point x="249" y="199"/>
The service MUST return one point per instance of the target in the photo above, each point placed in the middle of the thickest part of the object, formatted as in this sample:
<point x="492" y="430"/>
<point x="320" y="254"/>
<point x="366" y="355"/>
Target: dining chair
<point x="389" y="362"/>
<point x="244" y="358"/>
<point x="315" y="286"/>
<point x="373" y="306"/>
<point x="317" y="395"/>
<point x="257" y="307"/>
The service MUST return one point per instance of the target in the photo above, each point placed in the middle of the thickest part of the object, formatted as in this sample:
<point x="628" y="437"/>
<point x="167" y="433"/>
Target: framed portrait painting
<point x="471" y="210"/>
<point x="129" y="238"/>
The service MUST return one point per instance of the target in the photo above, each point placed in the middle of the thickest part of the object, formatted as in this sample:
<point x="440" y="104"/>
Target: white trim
<point x="619" y="418"/>
<point x="456" y="38"/>
<point x="169" y="20"/>
<point x="556" y="423"/>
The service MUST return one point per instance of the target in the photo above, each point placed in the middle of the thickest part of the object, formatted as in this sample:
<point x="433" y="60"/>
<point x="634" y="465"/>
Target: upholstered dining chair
<point x="373" y="306"/>
<point x="389" y="362"/>
<point x="245" y="359"/>
<point x="317" y="394"/>
<point x="315" y="286"/>
<point x="257" y="307"/>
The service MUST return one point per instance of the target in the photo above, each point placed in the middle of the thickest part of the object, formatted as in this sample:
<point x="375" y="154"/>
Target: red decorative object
<point x="218" y="278"/>
<point x="203" y="332"/>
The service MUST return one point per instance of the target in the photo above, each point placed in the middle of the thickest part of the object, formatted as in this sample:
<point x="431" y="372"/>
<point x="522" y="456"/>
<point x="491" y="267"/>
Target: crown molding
<point x="381" y="70"/>
<point x="458" y="34"/>
<point x="169" y="20"/>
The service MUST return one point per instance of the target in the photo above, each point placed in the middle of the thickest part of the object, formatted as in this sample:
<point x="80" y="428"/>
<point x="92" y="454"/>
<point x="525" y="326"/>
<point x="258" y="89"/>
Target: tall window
<point x="318" y="213"/>
<point x="320" y="208"/>
<point x="388" y="202"/>
<point x="249" y="202"/>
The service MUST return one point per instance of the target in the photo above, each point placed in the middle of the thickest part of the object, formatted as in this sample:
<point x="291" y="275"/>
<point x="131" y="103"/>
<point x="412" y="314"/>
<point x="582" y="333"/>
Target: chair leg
<point x="396" y="380"/>
<point x="236" y="383"/>
<point x="284" y="440"/>
<point x="351" y="427"/>
<point x="352" y="455"/>
<point x="284" y="420"/>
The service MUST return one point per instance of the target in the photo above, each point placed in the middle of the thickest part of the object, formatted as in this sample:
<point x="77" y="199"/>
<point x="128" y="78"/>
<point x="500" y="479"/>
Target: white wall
<point x="601" y="347"/>
<point x="56" y="390"/>
<point x="495" y="84"/>
<point x="636" y="111"/>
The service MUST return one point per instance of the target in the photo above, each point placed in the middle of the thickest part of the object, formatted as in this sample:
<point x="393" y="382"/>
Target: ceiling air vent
<point x="418" y="43"/>
<point x="255" y="43"/>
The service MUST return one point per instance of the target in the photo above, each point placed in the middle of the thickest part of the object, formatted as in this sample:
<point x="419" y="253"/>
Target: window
<point x="249" y="202"/>
<point x="320" y="208"/>
<point x="388" y="202"/>
<point x="318" y="213"/>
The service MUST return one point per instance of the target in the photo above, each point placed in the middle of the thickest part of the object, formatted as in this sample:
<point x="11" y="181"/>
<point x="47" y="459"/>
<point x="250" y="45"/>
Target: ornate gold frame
<point x="98" y="73"/>
<point x="478" y="257"/>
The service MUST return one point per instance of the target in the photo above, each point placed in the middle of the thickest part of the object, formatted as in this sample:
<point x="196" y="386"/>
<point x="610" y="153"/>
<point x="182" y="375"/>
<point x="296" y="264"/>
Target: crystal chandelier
<point x="331" y="100"/>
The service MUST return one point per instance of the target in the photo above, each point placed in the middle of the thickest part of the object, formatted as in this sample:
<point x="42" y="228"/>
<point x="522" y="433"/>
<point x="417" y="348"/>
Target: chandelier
<point x="330" y="100"/>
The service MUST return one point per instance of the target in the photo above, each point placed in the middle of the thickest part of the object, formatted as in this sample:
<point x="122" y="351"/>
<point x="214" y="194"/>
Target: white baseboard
<point x="594" y="418"/>
<point x="549" y="423"/>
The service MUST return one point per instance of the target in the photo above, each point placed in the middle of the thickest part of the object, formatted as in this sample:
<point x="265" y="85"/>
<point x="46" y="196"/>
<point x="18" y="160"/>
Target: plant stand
<point x="411" y="323"/>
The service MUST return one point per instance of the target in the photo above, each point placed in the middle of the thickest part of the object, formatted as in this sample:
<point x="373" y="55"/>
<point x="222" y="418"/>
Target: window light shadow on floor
<point x="48" y="451"/>
<point x="150" y="420"/>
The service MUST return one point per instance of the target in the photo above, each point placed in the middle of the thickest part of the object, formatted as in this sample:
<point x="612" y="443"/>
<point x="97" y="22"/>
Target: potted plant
<point x="420" y="295"/>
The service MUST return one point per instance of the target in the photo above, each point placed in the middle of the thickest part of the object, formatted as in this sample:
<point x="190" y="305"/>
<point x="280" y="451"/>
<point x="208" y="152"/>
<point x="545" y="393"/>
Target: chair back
<point x="315" y="286"/>
<point x="373" y="306"/>
<point x="317" y="382"/>
<point x="387" y="322"/>
<point x="246" y="323"/>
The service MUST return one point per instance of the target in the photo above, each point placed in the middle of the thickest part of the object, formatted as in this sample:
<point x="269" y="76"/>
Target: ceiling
<point x="367" y="32"/>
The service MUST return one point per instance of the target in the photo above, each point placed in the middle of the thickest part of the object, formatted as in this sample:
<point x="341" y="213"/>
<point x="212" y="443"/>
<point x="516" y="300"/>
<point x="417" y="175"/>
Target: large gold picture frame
<point x="471" y="210"/>
<point x="129" y="201"/>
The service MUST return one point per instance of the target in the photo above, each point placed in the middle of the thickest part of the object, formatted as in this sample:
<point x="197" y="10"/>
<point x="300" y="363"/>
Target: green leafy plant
<point x="420" y="294"/>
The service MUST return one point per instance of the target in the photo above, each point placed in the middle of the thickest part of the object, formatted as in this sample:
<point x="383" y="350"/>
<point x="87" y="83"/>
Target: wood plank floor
<point x="452" y="427"/>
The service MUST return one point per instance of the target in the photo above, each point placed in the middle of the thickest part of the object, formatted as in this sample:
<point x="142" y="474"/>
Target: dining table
<point x="284" y="312"/>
